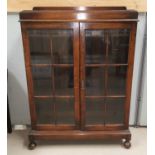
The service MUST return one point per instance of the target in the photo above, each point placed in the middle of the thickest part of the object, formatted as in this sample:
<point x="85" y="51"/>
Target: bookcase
<point x="79" y="64"/>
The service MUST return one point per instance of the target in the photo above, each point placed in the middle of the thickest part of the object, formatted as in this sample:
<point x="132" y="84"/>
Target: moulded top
<point x="82" y="8"/>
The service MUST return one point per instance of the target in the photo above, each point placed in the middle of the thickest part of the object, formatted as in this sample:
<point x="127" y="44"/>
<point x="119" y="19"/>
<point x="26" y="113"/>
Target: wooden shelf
<point x="52" y="65"/>
<point x="19" y="5"/>
<point x="104" y="65"/>
<point x="56" y="96"/>
<point x="107" y="96"/>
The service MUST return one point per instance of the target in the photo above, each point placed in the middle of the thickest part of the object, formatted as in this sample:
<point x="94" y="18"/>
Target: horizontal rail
<point x="102" y="65"/>
<point x="54" y="65"/>
<point x="93" y="20"/>
<point x="57" y="96"/>
<point x="107" y="96"/>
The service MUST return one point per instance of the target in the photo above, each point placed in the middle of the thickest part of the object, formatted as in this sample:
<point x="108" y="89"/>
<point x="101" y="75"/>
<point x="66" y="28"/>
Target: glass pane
<point x="44" y="110"/>
<point x="39" y="44"/>
<point x="94" y="81"/>
<point x="115" y="111"/>
<point x="65" y="111"/>
<point x="113" y="43"/>
<point x="42" y="80"/>
<point x="51" y="46"/>
<point x="119" y="44"/>
<point x="64" y="81"/>
<point x="95" y="111"/>
<point x="117" y="80"/>
<point x="95" y="46"/>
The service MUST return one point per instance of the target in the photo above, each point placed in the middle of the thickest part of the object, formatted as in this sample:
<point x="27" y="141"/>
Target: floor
<point x="17" y="145"/>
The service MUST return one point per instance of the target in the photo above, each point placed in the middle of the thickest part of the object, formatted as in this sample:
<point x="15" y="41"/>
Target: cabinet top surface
<point x="78" y="14"/>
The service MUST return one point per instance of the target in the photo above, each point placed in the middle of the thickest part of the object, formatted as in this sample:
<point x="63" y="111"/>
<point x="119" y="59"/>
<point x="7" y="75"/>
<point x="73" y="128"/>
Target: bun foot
<point x="127" y="144"/>
<point x="32" y="145"/>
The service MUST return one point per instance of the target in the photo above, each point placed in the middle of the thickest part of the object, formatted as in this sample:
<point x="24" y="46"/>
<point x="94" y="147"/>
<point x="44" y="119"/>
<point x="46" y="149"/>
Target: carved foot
<point x="127" y="144"/>
<point x="32" y="145"/>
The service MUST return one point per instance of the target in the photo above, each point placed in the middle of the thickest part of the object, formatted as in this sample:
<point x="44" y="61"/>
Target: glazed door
<point x="52" y="63"/>
<point x="104" y="69"/>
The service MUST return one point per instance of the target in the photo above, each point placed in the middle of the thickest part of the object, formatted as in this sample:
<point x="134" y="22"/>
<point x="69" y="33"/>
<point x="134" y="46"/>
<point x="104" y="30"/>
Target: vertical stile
<point x="106" y="72"/>
<point x="76" y="73"/>
<point x="53" y="81"/>
<point x="82" y="74"/>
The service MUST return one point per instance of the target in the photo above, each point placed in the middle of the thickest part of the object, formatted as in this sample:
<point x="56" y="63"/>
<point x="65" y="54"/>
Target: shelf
<point x="71" y="65"/>
<point x="104" y="65"/>
<point x="52" y="65"/>
<point x="49" y="96"/>
<point x="108" y="96"/>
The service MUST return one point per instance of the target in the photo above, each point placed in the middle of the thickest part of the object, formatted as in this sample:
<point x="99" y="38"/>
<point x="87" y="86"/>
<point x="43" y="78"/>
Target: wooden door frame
<point x="61" y="26"/>
<point x="107" y="25"/>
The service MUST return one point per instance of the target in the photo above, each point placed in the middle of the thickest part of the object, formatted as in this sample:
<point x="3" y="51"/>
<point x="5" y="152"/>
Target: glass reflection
<point x="115" y="111"/>
<point x="117" y="80"/>
<point x="51" y="46"/>
<point x="64" y="81"/>
<point x="42" y="80"/>
<point x="65" y="111"/>
<point x="45" y="111"/>
<point x="95" y="111"/>
<point x="107" y="46"/>
<point x="94" y="81"/>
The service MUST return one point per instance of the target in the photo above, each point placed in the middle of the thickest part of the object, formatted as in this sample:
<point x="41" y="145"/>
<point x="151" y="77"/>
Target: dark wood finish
<point x="80" y="19"/>
<point x="68" y="15"/>
<point x="107" y="96"/>
<point x="79" y="8"/>
<point x="53" y="79"/>
<point x="82" y="77"/>
<point x="29" y="77"/>
<point x="102" y="65"/>
<point x="32" y="145"/>
<point x="130" y="72"/>
<point x="54" y="65"/>
<point x="53" y="127"/>
<point x="127" y="144"/>
<point x="56" y="96"/>
<point x="80" y="135"/>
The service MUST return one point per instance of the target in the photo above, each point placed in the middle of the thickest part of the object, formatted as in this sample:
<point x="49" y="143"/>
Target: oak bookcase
<point x="79" y="65"/>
